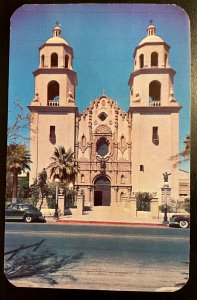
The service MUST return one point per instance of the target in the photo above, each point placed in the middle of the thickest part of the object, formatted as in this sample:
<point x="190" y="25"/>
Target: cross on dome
<point x="151" y="28"/>
<point x="103" y="94"/>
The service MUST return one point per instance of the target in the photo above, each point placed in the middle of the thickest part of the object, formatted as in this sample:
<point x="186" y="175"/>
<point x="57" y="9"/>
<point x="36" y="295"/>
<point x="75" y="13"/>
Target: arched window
<point x="121" y="196"/>
<point x="122" y="141"/>
<point x="122" y="179"/>
<point x="82" y="178"/>
<point x="54" y="60"/>
<point x="141" y="57"/>
<point x="155" y="91"/>
<point x="66" y="61"/>
<point x="53" y="93"/>
<point x="102" y="146"/>
<point x="42" y="61"/>
<point x="154" y="59"/>
<point x="83" y="140"/>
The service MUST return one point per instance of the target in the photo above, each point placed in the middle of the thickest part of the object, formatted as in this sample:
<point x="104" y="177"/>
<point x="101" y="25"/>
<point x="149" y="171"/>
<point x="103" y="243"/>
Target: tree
<point x="63" y="165"/>
<point x="18" y="130"/>
<point x="40" y="187"/>
<point x="185" y="154"/>
<point x="18" y="160"/>
<point x="43" y="186"/>
<point x="23" y="187"/>
<point x="143" y="201"/>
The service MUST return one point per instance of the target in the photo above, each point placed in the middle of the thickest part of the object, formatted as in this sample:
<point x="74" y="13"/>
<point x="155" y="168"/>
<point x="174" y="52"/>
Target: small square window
<point x="141" y="168"/>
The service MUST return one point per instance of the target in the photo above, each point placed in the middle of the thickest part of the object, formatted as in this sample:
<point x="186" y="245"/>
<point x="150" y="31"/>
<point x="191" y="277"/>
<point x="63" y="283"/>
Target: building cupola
<point x="57" y="30"/>
<point x="152" y="81"/>
<point x="55" y="79"/>
<point x="151" y="29"/>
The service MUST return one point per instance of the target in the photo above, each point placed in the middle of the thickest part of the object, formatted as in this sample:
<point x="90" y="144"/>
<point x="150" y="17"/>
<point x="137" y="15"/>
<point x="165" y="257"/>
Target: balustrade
<point x="155" y="103"/>
<point x="53" y="103"/>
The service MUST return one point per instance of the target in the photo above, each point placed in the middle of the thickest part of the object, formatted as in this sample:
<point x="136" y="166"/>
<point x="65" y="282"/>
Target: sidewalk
<point x="109" y="215"/>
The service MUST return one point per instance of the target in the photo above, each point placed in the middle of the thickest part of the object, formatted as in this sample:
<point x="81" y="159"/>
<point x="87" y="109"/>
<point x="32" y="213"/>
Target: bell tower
<point x="155" y="116"/>
<point x="53" y="110"/>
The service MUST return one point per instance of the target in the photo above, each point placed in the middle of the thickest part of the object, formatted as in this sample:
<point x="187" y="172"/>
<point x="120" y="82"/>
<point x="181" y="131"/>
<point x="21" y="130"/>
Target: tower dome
<point x="56" y="38"/>
<point x="151" y="36"/>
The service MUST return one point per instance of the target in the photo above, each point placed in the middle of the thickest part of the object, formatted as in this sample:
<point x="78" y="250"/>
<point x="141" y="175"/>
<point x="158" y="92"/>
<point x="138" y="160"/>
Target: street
<point x="125" y="258"/>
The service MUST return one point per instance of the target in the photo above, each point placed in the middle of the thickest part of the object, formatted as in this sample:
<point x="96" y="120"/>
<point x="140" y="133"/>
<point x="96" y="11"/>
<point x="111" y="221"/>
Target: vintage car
<point x="182" y="221"/>
<point x="24" y="212"/>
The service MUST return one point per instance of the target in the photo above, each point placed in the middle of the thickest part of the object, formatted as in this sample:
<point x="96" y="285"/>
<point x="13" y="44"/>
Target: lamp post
<point x="70" y="187"/>
<point x="165" y="218"/>
<point x="166" y="191"/>
<point x="56" y="198"/>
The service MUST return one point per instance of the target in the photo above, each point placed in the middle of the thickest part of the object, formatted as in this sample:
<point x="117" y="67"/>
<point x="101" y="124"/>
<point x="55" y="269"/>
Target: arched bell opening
<point x="53" y="93"/>
<point x="42" y="61"/>
<point x="66" y="61"/>
<point x="154" y="59"/>
<point x="141" y="58"/>
<point x="155" y="90"/>
<point x="54" y="60"/>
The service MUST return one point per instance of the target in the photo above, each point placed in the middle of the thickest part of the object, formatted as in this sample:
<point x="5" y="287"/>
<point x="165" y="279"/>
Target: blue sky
<point x="103" y="37"/>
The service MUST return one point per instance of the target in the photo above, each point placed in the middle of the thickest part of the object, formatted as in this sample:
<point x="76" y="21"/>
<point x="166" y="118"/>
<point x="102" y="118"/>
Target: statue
<point x="103" y="163"/>
<point x="165" y="176"/>
<point x="102" y="160"/>
<point x="44" y="175"/>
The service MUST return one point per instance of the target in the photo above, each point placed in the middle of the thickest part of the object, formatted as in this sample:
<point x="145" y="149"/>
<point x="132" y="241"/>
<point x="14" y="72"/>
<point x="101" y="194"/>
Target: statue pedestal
<point x="166" y="193"/>
<point x="166" y="197"/>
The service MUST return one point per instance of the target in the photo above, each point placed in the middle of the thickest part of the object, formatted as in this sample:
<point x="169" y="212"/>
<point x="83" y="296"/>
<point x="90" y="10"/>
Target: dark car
<point x="182" y="221"/>
<point x="24" y="212"/>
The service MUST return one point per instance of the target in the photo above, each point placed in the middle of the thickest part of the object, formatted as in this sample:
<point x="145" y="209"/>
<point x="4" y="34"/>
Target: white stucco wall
<point x="41" y="147"/>
<point x="155" y="159"/>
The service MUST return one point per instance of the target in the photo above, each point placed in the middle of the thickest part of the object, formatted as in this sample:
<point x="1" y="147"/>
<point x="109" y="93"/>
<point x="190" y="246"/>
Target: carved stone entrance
<point x="102" y="191"/>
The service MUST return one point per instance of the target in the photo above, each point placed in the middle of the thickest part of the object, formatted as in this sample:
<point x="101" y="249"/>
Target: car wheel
<point x="28" y="219"/>
<point x="183" y="224"/>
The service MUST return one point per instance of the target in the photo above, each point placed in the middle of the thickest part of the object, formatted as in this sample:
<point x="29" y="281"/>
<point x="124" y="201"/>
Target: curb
<point x="110" y="223"/>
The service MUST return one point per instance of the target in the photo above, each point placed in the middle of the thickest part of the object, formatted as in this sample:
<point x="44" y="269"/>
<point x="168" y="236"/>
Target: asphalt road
<point x="125" y="258"/>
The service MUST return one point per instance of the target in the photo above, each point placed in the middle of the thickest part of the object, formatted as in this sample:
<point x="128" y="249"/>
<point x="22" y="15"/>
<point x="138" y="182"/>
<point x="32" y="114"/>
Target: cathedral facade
<point x="118" y="153"/>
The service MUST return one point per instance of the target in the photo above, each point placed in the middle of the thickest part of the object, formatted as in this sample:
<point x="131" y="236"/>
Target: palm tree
<point x="18" y="160"/>
<point x="63" y="165"/>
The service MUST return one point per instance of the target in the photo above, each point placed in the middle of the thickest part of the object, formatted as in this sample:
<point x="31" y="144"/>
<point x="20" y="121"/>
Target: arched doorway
<point x="102" y="191"/>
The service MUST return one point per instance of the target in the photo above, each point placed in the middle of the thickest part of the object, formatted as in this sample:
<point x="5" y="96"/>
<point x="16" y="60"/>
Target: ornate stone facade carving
<point x="104" y="119"/>
<point x="103" y="130"/>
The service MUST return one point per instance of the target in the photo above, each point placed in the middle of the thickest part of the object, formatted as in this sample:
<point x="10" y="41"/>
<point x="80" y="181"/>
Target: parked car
<point x="182" y="221"/>
<point x="24" y="212"/>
